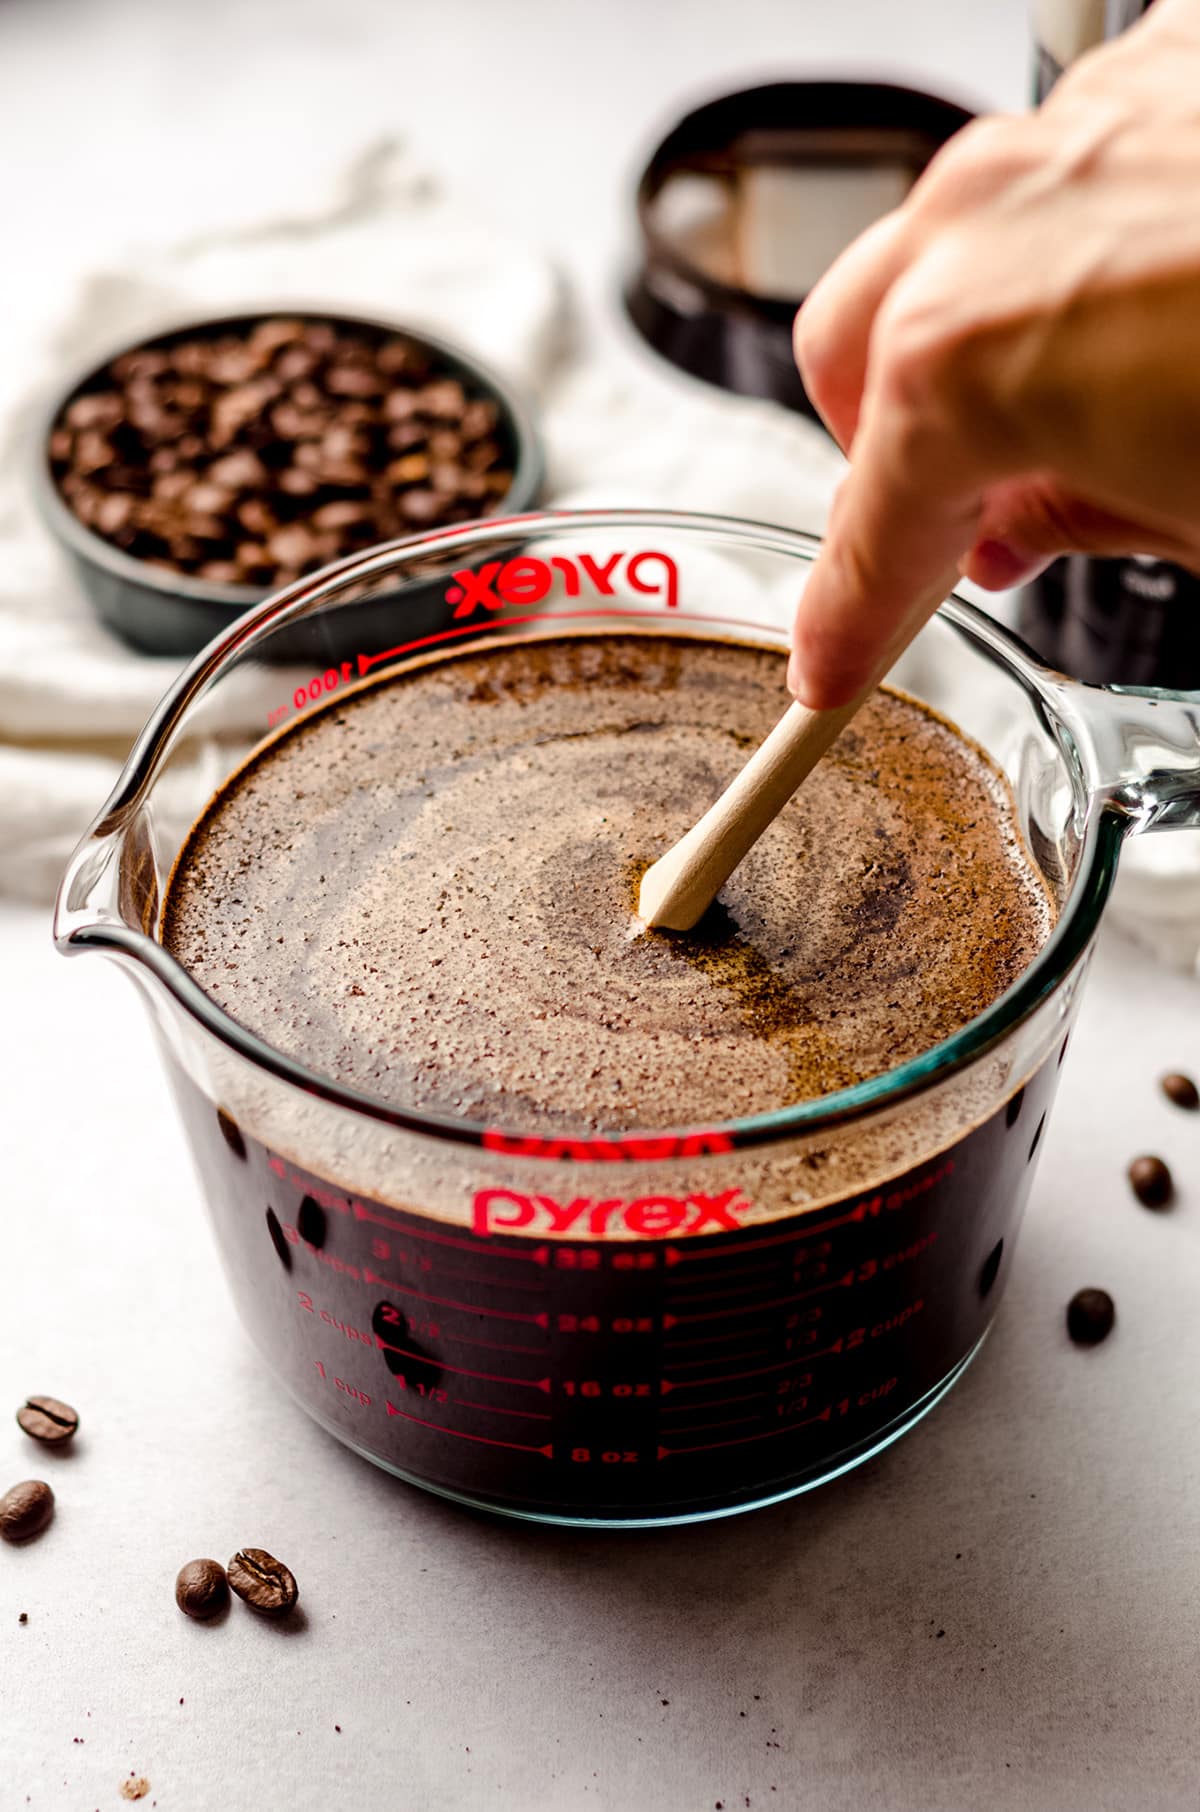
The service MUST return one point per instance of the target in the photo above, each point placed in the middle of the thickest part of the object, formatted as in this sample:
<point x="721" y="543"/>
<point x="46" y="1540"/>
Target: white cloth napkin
<point x="379" y="236"/>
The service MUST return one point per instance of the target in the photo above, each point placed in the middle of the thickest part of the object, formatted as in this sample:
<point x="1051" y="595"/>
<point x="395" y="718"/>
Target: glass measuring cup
<point x="672" y="1323"/>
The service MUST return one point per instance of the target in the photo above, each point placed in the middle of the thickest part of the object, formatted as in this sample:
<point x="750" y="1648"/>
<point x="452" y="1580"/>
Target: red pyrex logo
<point x="647" y="1217"/>
<point x="527" y="580"/>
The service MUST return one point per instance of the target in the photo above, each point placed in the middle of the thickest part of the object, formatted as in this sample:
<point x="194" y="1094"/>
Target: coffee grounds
<point x="427" y="890"/>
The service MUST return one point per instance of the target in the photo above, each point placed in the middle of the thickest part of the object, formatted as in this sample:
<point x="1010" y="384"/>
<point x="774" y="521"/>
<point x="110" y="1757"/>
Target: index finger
<point x="907" y="513"/>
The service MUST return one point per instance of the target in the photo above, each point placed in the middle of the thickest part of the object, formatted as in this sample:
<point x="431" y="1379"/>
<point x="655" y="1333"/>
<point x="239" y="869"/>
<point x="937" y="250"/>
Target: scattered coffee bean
<point x="25" y="1509"/>
<point x="1090" y="1316"/>
<point x="263" y="1582"/>
<point x="252" y="455"/>
<point x="201" y="1588"/>
<point x="1151" y="1182"/>
<point x="24" y="1617"/>
<point x="1181" y="1090"/>
<point x="46" y="1419"/>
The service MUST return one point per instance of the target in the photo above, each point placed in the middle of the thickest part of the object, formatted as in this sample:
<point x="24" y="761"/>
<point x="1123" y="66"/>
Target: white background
<point x="1046" y="1518"/>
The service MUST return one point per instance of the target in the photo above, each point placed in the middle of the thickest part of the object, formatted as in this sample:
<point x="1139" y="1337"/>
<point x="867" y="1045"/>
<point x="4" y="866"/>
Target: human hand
<point x="1012" y="359"/>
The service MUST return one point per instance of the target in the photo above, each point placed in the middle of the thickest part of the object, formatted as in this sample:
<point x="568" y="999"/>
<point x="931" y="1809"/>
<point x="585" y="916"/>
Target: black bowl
<point x="160" y="612"/>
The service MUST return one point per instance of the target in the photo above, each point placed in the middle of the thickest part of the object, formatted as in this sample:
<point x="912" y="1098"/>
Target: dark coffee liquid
<point x="612" y="1379"/>
<point x="426" y="891"/>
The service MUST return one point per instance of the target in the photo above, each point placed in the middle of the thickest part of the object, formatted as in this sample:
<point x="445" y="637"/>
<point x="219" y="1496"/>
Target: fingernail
<point x="794" y="676"/>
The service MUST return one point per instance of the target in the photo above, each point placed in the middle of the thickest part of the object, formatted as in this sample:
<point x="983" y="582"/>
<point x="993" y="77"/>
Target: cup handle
<point x="1139" y="749"/>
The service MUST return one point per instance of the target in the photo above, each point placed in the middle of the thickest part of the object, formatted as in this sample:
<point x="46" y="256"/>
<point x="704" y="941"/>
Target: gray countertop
<point x="1002" y="1610"/>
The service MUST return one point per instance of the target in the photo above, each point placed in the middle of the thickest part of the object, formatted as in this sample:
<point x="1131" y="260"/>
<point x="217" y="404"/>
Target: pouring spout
<point x="110" y="889"/>
<point x="1139" y="750"/>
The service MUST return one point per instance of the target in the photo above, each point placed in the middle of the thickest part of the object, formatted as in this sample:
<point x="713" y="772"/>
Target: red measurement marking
<point x="750" y="1308"/>
<point x="463" y="1371"/>
<point x="495" y="1346"/>
<point x="498" y="1283"/>
<point x="461" y="1435"/>
<point x="709" y="1340"/>
<point x="723" y="1295"/>
<point x="367" y="661"/>
<point x="759" y="1270"/>
<point x="795" y="1362"/>
<point x="869" y="1208"/>
<point x="539" y="1255"/>
<point x="690" y="1409"/>
<point x="707" y="1427"/>
<point x="608" y="1150"/>
<point x="666" y="1453"/>
<point x="541" y="1320"/>
<point x="493" y="1409"/>
<point x="687" y="1365"/>
<point x="674" y="1255"/>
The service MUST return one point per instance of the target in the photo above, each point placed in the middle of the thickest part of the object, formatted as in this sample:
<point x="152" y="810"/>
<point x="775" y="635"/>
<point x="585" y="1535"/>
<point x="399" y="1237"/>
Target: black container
<point x="735" y="337"/>
<point x="1131" y="622"/>
<point x="159" y="612"/>
<point x="1134" y="621"/>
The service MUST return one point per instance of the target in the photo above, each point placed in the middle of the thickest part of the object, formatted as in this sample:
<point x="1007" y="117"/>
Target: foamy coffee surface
<point x="426" y="890"/>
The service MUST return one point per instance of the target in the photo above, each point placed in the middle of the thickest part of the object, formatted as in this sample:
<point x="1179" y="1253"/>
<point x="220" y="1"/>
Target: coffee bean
<point x="201" y="1588"/>
<point x="400" y="358"/>
<point x="351" y="380"/>
<point x="292" y="546"/>
<point x="143" y="363"/>
<point x="263" y="1582"/>
<point x="25" y="1509"/>
<point x="92" y="452"/>
<point x="1181" y="1090"/>
<point x="419" y="507"/>
<point x="445" y="400"/>
<point x="293" y="423"/>
<point x="296" y="482"/>
<point x="296" y="365"/>
<point x="479" y="419"/>
<point x="236" y="366"/>
<point x="412" y="469"/>
<point x="340" y="515"/>
<point x="240" y="471"/>
<point x="99" y="410"/>
<point x="46" y="1419"/>
<point x="209" y="499"/>
<point x="1151" y="1182"/>
<point x="269" y="337"/>
<point x="482" y="456"/>
<point x="114" y="512"/>
<point x="1090" y="1316"/>
<point x="257" y="517"/>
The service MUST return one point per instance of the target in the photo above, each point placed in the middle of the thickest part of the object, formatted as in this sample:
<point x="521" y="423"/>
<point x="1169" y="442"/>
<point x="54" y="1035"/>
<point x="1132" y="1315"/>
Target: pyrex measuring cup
<point x="676" y="1322"/>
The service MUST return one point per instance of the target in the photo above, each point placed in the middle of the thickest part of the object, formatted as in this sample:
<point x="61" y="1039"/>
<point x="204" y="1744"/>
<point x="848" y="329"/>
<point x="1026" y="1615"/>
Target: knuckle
<point x="936" y="351"/>
<point x="916" y="347"/>
<point x="980" y="158"/>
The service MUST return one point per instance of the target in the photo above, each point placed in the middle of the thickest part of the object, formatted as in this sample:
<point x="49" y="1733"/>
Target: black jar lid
<point x="851" y="148"/>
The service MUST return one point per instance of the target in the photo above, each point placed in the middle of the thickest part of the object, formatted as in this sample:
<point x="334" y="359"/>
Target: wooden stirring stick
<point x="684" y="882"/>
